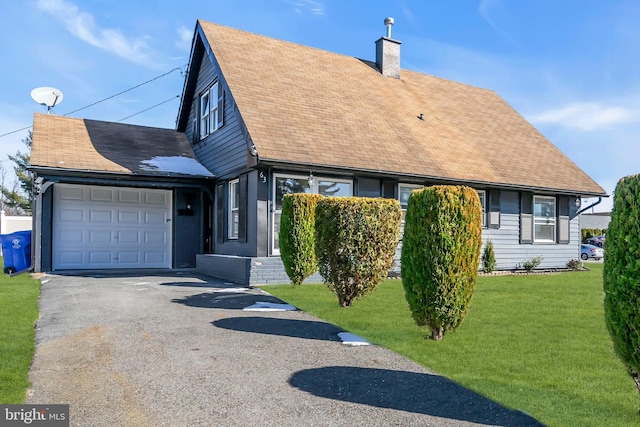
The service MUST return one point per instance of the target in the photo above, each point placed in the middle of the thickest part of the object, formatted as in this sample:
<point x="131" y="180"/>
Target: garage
<point x="102" y="227"/>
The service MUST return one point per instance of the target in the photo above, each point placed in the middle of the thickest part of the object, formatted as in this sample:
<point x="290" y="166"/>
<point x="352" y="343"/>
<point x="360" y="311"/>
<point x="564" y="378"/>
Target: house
<point x="266" y="117"/>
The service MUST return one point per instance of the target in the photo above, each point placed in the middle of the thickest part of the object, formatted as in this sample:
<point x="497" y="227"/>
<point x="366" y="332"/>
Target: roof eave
<point x="420" y="177"/>
<point x="49" y="170"/>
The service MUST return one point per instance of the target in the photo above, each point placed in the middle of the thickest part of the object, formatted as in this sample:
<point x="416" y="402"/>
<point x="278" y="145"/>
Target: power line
<point x="16" y="131"/>
<point x="124" y="91"/>
<point x="110" y="97"/>
<point x="150" y="108"/>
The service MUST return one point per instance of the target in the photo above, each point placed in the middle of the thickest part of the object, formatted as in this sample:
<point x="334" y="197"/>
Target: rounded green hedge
<point x="356" y="240"/>
<point x="621" y="276"/>
<point x="441" y="255"/>
<point x="297" y="239"/>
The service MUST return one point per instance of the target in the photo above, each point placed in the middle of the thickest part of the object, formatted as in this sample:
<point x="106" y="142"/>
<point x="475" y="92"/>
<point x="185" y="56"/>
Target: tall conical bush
<point x="297" y="235"/>
<point x="441" y="255"/>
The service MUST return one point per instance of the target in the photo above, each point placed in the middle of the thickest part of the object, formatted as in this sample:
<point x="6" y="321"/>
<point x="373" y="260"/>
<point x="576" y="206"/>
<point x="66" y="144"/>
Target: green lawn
<point x="18" y="314"/>
<point x="537" y="343"/>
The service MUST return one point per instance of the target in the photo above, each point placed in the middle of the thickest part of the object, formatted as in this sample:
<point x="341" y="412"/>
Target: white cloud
<point x="82" y="25"/>
<point x="184" y="38"/>
<point x="586" y="116"/>
<point x="312" y="6"/>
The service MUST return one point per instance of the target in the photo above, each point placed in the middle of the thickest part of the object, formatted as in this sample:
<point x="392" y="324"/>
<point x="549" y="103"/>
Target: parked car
<point x="596" y="241"/>
<point x="591" y="251"/>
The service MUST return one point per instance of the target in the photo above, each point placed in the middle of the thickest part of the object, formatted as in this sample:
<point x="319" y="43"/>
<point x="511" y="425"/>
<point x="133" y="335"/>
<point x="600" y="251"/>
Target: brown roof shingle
<point x="92" y="145"/>
<point x="310" y="106"/>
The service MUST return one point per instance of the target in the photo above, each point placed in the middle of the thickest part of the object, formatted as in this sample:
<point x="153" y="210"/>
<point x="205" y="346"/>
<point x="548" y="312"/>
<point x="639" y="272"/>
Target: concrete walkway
<point x="177" y="349"/>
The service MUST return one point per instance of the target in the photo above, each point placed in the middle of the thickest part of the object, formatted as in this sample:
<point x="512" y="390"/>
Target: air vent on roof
<point x="389" y="23"/>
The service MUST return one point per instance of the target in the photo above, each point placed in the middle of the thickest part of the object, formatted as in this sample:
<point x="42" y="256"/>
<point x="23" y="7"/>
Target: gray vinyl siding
<point x="506" y="240"/>
<point x="234" y="246"/>
<point x="225" y="150"/>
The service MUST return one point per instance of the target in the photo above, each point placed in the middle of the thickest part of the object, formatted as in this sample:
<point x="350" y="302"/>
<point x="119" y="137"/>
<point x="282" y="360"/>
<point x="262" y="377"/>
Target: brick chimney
<point x="388" y="53"/>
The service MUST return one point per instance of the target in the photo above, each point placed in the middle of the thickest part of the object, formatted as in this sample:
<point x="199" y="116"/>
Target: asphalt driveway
<point x="177" y="349"/>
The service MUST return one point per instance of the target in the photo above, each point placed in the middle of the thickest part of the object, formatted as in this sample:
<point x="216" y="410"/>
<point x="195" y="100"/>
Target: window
<point x="544" y="219"/>
<point x="483" y="201"/>
<point x="234" y="208"/>
<point x="211" y="109"/>
<point x="404" y="191"/>
<point x="288" y="184"/>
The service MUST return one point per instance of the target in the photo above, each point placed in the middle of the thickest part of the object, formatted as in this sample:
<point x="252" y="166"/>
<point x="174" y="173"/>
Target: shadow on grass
<point x="407" y="391"/>
<point x="307" y="329"/>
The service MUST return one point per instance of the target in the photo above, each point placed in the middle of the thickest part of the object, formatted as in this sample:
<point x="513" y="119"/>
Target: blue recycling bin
<point x="16" y="251"/>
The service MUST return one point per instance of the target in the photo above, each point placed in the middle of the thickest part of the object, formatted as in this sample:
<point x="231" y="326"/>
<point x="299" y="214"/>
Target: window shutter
<point x="220" y="105"/>
<point x="220" y="193"/>
<point x="526" y="218"/>
<point x="242" y="208"/>
<point x="389" y="189"/>
<point x="494" y="209"/>
<point x="563" y="220"/>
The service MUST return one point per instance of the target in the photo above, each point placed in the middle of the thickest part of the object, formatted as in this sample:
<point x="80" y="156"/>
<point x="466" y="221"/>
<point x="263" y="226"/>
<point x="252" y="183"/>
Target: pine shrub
<point x="356" y="240"/>
<point x="441" y="255"/>
<point x="488" y="258"/>
<point x="622" y="274"/>
<point x="297" y="240"/>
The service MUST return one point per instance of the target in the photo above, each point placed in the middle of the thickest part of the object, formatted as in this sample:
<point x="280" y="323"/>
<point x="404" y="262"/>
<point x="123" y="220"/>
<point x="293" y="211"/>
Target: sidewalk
<point x="179" y="350"/>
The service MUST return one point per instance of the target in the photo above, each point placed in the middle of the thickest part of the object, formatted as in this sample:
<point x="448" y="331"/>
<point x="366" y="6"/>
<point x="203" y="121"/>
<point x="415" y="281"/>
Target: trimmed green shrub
<point x="356" y="240"/>
<point x="488" y="258"/>
<point x="297" y="239"/>
<point x="441" y="255"/>
<point x="621" y="276"/>
<point x="530" y="264"/>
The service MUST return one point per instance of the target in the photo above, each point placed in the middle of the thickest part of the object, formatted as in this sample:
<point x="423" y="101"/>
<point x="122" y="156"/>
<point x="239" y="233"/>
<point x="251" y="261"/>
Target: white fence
<point x="10" y="224"/>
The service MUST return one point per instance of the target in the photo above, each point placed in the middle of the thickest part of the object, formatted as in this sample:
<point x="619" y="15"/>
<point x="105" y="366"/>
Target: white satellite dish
<point x="48" y="96"/>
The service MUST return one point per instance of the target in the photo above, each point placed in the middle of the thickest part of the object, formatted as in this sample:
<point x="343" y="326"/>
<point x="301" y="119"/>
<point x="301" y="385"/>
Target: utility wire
<point x="16" y="131"/>
<point x="124" y="91"/>
<point x="150" y="108"/>
<point x="110" y="97"/>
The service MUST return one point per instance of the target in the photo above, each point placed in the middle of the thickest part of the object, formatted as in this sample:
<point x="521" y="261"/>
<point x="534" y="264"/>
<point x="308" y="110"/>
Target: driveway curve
<point x="177" y="349"/>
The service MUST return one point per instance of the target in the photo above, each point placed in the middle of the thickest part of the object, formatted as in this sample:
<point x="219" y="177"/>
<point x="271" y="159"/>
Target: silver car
<point x="591" y="251"/>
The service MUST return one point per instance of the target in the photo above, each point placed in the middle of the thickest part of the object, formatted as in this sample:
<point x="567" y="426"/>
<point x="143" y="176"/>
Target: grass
<point x="18" y="314"/>
<point x="536" y="343"/>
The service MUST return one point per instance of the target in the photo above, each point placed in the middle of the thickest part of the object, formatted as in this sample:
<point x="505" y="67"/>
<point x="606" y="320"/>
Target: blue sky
<point x="569" y="67"/>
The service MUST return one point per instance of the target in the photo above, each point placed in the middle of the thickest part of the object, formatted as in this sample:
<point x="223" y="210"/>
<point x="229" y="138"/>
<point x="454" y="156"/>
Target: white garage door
<point x="111" y="227"/>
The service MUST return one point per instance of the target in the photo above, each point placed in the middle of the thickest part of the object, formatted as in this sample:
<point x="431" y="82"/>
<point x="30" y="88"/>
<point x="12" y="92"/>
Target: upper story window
<point x="211" y="109"/>
<point x="544" y="219"/>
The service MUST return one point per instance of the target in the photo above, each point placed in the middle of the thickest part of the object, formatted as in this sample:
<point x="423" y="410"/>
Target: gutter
<point x="590" y="206"/>
<point x="404" y="177"/>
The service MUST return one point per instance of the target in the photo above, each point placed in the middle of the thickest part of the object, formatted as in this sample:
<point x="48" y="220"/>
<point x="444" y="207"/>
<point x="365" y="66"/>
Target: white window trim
<point x="483" y="203"/>
<point x="210" y="115"/>
<point x="410" y="186"/>
<point x="234" y="186"/>
<point x="313" y="190"/>
<point x="552" y="220"/>
<point x="403" y="208"/>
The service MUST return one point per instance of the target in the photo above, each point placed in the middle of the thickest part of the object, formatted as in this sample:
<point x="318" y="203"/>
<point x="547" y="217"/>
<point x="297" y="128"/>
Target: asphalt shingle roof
<point x="92" y="145"/>
<point x="309" y="106"/>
